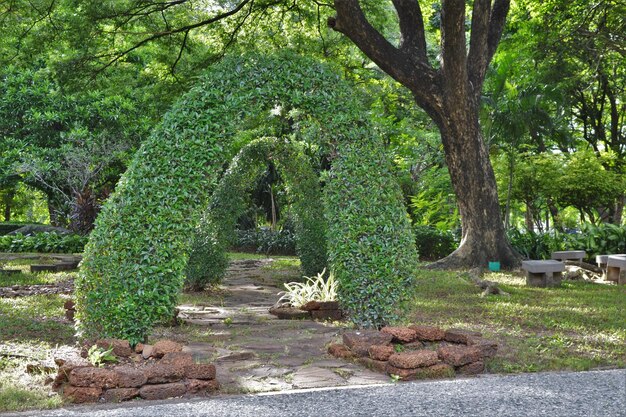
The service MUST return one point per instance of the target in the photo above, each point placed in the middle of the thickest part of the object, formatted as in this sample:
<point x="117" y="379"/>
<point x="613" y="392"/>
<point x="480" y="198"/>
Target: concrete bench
<point x="543" y="273"/>
<point x="601" y="260"/>
<point x="566" y="255"/>
<point x="616" y="269"/>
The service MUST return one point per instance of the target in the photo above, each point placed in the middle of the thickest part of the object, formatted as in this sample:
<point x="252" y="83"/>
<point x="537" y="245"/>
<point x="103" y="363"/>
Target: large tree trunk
<point x="450" y="95"/>
<point x="483" y="238"/>
<point x="8" y="204"/>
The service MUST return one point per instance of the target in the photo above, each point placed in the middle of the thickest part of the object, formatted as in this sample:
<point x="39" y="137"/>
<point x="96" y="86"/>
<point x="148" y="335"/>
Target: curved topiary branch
<point x="227" y="205"/>
<point x="134" y="263"/>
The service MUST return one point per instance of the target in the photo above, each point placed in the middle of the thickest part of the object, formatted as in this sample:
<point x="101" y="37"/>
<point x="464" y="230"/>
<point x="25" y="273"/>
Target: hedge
<point x="134" y="263"/>
<point x="227" y="204"/>
<point x="371" y="245"/>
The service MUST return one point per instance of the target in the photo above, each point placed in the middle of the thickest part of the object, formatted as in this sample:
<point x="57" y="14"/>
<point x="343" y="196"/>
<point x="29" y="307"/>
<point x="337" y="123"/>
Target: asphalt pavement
<point x="571" y="394"/>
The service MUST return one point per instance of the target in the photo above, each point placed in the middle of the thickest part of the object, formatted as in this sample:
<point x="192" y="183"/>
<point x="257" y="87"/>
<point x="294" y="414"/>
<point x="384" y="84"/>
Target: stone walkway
<point x="255" y="352"/>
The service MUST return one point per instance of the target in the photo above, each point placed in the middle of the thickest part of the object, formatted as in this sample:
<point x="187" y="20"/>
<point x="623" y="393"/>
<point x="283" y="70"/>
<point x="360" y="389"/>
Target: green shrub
<point x="134" y="263"/>
<point x="228" y="203"/>
<point x="46" y="242"/>
<point x="266" y="241"/>
<point x="210" y="262"/>
<point x="371" y="246"/>
<point x="318" y="288"/>
<point x="602" y="239"/>
<point x="533" y="245"/>
<point x="432" y="243"/>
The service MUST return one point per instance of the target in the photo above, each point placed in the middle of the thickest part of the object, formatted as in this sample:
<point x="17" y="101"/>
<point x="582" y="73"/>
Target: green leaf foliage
<point x="227" y="204"/>
<point x="45" y="242"/>
<point x="134" y="263"/>
<point x="371" y="246"/>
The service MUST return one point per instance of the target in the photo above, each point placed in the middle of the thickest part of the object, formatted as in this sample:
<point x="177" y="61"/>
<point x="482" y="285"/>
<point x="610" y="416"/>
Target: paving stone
<point x="416" y="359"/>
<point x="93" y="377"/>
<point x="315" y="377"/>
<point x="200" y="387"/>
<point x="428" y="333"/>
<point x="80" y="395"/>
<point x="117" y="395"/>
<point x="162" y="391"/>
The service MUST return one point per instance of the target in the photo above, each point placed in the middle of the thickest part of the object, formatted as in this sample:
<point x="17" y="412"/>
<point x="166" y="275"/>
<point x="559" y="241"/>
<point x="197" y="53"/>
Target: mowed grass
<point x="578" y="326"/>
<point x="25" y="277"/>
<point x="31" y="328"/>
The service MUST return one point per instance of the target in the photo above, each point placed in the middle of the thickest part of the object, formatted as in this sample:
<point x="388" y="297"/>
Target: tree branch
<point x="477" y="58"/>
<point x="181" y="29"/>
<point x="411" y="28"/>
<point x="414" y="74"/>
<point x="496" y="26"/>
<point x="453" y="51"/>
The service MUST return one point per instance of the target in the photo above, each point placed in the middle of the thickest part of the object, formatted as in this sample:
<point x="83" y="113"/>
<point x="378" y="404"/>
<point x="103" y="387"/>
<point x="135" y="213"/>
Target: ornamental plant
<point x="316" y="288"/>
<point x="228" y="203"/>
<point x="134" y="264"/>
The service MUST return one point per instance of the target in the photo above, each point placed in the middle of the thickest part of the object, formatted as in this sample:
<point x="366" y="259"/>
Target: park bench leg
<point x="622" y="277"/>
<point x="612" y="273"/>
<point x="553" y="279"/>
<point x="535" y="280"/>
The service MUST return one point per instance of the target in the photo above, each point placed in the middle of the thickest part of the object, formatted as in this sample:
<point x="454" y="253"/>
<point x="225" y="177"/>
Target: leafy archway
<point x="217" y="227"/>
<point x="133" y="267"/>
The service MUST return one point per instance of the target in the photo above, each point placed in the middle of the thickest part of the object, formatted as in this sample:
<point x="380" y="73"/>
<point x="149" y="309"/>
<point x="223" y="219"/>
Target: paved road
<point x="596" y="393"/>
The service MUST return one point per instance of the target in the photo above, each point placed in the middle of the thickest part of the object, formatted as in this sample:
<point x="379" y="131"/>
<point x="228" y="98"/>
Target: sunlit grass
<point x="37" y="317"/>
<point x="21" y="390"/>
<point x="25" y="277"/>
<point x="577" y="326"/>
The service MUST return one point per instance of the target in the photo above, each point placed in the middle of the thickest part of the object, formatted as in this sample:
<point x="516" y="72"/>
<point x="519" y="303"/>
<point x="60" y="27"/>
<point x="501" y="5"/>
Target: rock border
<point x="417" y="351"/>
<point x="151" y="372"/>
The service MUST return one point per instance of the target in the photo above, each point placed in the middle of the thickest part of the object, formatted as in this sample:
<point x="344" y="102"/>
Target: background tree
<point x="449" y="91"/>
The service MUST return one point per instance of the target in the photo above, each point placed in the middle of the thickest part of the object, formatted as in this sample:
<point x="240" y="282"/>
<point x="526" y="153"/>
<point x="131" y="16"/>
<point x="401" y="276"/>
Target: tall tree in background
<point x="450" y="94"/>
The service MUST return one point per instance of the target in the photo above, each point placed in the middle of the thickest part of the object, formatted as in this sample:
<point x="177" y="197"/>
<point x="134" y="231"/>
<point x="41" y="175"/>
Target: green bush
<point x="134" y="263"/>
<point x="371" y="246"/>
<point x="266" y="241"/>
<point x="432" y="243"/>
<point x="603" y="239"/>
<point x="228" y="203"/>
<point x="533" y="245"/>
<point x="210" y="262"/>
<point x="43" y="242"/>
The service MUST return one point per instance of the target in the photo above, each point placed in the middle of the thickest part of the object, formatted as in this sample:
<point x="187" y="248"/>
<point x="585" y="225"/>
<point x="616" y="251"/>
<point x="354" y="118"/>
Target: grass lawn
<point x="578" y="326"/>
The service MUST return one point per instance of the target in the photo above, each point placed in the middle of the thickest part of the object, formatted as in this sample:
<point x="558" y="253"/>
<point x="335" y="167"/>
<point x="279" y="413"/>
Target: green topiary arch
<point x="217" y="227"/>
<point x="133" y="266"/>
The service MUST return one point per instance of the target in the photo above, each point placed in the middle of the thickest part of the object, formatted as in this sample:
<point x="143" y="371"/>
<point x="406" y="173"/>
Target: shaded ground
<point x="255" y="352"/>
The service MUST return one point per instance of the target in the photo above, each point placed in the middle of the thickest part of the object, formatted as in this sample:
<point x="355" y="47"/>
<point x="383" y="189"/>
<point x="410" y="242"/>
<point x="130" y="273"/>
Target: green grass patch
<point x="20" y="390"/>
<point x="25" y="277"/>
<point x="284" y="264"/>
<point x="578" y="326"/>
<point x="35" y="318"/>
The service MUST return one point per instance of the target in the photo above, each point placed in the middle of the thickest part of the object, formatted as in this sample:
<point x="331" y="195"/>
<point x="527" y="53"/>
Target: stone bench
<point x="601" y="260"/>
<point x="616" y="269"/>
<point x="566" y="255"/>
<point x="543" y="273"/>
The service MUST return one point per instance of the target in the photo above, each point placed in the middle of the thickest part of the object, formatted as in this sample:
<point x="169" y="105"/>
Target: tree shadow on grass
<point x="38" y="318"/>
